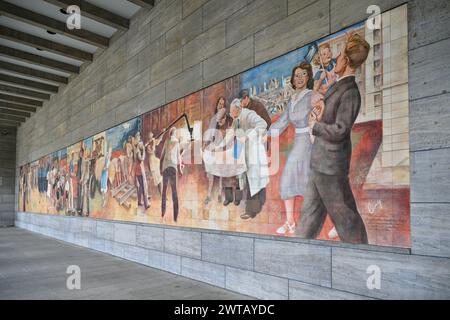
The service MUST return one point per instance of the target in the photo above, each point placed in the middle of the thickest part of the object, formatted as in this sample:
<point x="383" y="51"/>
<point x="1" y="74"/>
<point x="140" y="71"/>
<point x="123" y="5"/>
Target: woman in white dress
<point x="297" y="168"/>
<point x="212" y="135"/>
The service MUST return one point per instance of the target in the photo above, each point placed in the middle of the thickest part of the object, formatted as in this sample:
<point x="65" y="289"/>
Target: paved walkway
<point x="34" y="267"/>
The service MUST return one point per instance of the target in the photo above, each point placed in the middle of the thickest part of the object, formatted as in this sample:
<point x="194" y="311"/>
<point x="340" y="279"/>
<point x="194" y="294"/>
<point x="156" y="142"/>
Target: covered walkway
<point x="34" y="267"/>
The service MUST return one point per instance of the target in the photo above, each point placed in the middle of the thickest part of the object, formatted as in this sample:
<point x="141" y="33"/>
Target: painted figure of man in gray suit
<point x="328" y="190"/>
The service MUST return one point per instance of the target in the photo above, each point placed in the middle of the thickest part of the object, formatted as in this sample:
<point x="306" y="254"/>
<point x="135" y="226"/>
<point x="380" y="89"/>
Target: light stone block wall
<point x="181" y="46"/>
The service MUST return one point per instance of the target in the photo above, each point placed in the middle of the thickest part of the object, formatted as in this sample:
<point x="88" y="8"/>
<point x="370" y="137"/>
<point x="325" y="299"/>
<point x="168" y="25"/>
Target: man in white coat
<point x="250" y="129"/>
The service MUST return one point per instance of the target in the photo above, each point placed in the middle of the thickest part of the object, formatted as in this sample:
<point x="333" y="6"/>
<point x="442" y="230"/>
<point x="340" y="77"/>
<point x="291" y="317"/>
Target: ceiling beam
<point x="44" y="44"/>
<point x="14" y="106"/>
<point x="148" y="4"/>
<point x="28" y="83"/>
<point x="11" y="124"/>
<point x="5" y="125"/>
<point x="7" y="117"/>
<point x="15" y="113"/>
<point x="24" y="92"/>
<point x="41" y="21"/>
<point x="20" y="100"/>
<point x="93" y="12"/>
<point x="33" y="72"/>
<point x="38" y="60"/>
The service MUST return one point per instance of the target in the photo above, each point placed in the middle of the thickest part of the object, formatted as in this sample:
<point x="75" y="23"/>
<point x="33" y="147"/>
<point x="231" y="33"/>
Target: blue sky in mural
<point x="282" y="66"/>
<point x="55" y="155"/>
<point x="63" y="153"/>
<point x="118" y="135"/>
<point x="277" y="68"/>
<point x="88" y="143"/>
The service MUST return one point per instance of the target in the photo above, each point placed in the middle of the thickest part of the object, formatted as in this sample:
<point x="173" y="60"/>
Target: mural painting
<point x="312" y="144"/>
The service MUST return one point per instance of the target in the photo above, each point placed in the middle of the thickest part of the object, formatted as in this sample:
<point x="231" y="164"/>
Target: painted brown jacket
<point x="260" y="110"/>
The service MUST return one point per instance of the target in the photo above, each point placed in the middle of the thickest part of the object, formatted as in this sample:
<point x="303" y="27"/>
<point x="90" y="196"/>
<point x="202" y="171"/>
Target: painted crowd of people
<point x="322" y="108"/>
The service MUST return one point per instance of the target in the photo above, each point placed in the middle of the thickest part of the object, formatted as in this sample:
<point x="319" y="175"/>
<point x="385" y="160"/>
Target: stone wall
<point x="181" y="46"/>
<point x="7" y="175"/>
